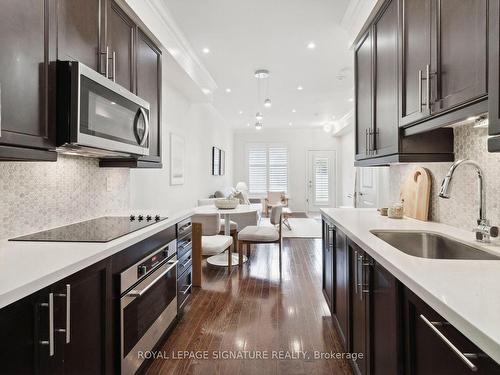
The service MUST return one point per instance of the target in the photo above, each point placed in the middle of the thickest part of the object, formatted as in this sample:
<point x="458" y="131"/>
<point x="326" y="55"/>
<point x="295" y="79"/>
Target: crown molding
<point x="157" y="18"/>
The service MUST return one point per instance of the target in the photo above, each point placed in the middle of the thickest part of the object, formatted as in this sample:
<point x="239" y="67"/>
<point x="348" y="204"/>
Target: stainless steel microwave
<point x="98" y="117"/>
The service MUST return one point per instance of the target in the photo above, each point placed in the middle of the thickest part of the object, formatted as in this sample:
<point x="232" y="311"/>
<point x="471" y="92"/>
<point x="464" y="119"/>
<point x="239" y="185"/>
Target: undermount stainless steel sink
<point x="431" y="245"/>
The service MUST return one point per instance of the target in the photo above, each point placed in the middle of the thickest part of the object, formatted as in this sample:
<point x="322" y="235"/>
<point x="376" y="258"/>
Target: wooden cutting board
<point x="416" y="193"/>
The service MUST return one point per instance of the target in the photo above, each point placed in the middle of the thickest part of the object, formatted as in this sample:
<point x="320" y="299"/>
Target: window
<point x="267" y="168"/>
<point x="321" y="183"/>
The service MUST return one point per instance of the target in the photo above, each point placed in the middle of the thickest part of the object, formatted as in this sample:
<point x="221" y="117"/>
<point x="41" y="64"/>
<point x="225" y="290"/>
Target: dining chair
<point x="274" y="198"/>
<point x="262" y="234"/>
<point x="212" y="242"/>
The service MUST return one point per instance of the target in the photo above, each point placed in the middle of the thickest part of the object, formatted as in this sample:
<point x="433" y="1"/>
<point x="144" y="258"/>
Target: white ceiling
<point x="247" y="35"/>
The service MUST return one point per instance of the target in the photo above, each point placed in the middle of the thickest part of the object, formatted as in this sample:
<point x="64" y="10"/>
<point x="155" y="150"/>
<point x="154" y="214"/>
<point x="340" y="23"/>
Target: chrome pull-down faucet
<point x="483" y="230"/>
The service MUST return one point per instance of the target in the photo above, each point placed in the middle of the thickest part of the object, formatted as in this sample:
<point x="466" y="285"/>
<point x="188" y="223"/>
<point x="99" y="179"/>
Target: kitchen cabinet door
<point x="462" y="52"/>
<point x="149" y="88"/>
<point x="27" y="44"/>
<point x="415" y="66"/>
<point x="328" y="272"/>
<point x="385" y="35"/>
<point x="360" y="312"/>
<point x="385" y="323"/>
<point x="120" y="33"/>
<point x="427" y="352"/>
<point x="342" y="297"/>
<point x="363" y="96"/>
<point x="494" y="74"/>
<point x="86" y="294"/>
<point x="78" y="31"/>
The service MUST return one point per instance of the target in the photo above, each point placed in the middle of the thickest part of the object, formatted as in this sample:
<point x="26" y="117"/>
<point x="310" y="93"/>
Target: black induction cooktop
<point x="103" y="229"/>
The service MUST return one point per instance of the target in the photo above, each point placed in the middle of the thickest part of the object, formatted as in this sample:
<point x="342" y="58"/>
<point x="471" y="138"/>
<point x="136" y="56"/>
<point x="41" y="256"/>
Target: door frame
<point x="333" y="202"/>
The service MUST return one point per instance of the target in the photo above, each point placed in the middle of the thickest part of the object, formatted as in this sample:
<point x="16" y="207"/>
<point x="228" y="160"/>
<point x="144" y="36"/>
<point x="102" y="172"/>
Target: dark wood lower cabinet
<point x="397" y="332"/>
<point x="328" y="262"/>
<point x="360" y="308"/>
<point x="427" y="352"/>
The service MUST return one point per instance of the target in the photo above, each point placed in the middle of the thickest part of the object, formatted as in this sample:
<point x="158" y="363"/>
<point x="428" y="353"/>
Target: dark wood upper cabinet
<point x="415" y="40"/>
<point x="378" y="63"/>
<point x="385" y="35"/>
<point x="27" y="42"/>
<point x="79" y="25"/>
<point x="443" y="49"/>
<point x="363" y="63"/>
<point x="149" y="88"/>
<point x="462" y="37"/>
<point x="120" y="34"/>
<point x="494" y="74"/>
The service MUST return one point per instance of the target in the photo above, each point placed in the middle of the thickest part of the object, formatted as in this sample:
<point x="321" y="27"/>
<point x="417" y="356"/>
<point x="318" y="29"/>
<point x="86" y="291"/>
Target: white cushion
<point x="259" y="233"/>
<point x="233" y="226"/>
<point x="213" y="245"/>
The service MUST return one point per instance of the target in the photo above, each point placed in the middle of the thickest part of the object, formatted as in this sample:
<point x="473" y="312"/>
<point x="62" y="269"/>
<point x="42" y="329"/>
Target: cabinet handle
<point x="428" y="87"/>
<point x="106" y="66"/>
<point x="420" y="90"/>
<point x="366" y="141"/>
<point x="67" y="296"/>
<point x="113" y="66"/>
<point x="356" y="273"/>
<point x="187" y="288"/>
<point x="362" y="283"/>
<point x="50" y="342"/>
<point x="450" y="345"/>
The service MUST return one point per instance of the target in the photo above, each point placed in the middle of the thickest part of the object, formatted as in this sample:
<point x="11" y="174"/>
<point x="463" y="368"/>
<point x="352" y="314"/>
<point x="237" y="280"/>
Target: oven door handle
<point x="135" y="293"/>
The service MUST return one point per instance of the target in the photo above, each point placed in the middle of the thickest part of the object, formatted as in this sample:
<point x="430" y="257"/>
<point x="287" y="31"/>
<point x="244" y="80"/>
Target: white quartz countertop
<point x="26" y="267"/>
<point x="464" y="292"/>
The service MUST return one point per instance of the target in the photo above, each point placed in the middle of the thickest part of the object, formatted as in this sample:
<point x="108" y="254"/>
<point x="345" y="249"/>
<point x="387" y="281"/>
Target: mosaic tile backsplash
<point x="461" y="210"/>
<point x="37" y="196"/>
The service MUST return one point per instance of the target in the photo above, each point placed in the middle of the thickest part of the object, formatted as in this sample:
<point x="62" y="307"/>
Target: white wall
<point x="202" y="128"/>
<point x="346" y="168"/>
<point x="298" y="141"/>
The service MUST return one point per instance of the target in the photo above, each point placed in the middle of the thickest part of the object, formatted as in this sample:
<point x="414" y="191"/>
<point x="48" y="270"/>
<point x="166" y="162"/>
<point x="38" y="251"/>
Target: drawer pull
<point x="463" y="356"/>
<point x="186" y="289"/>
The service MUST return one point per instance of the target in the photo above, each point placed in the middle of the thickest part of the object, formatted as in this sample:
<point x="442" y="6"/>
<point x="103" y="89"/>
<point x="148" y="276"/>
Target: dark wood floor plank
<point x="252" y="310"/>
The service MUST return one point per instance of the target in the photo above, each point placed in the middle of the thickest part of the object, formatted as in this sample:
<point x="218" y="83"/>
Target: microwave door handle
<point x="146" y="130"/>
<point x="135" y="293"/>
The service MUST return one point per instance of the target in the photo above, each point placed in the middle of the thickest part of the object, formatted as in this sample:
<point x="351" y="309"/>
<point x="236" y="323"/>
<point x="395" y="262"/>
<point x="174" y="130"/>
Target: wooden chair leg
<point x="248" y="250"/>
<point x="229" y="258"/>
<point x="240" y="253"/>
<point x="280" y="253"/>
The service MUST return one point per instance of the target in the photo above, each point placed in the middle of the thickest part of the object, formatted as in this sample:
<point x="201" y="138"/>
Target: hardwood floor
<point x="252" y="311"/>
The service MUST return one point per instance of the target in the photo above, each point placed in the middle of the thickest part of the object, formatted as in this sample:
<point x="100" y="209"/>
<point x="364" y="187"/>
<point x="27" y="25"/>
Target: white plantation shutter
<point x="278" y="169"/>
<point x="257" y="169"/>
<point x="267" y="168"/>
<point x="321" y="183"/>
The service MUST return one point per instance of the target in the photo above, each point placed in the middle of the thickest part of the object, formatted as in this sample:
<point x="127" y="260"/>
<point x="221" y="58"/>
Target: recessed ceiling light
<point x="290" y="124"/>
<point x="240" y="112"/>
<point x="311" y="45"/>
<point x="351" y="99"/>
<point x="327" y="128"/>
<point x="205" y="50"/>
<point x="206" y="91"/>
<point x="228" y="90"/>
<point x="294" y="110"/>
<point x="300" y="88"/>
<point x="248" y="124"/>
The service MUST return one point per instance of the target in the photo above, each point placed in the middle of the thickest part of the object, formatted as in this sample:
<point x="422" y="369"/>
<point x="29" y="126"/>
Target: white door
<point x="320" y="180"/>
<point x="366" y="187"/>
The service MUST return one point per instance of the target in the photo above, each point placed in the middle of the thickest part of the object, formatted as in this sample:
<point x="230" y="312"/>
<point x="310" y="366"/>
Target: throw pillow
<point x="219" y="194"/>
